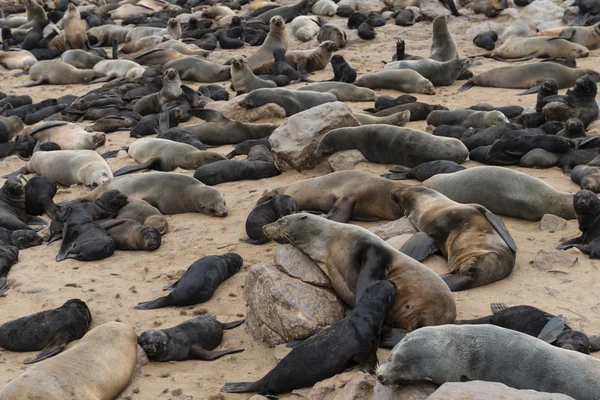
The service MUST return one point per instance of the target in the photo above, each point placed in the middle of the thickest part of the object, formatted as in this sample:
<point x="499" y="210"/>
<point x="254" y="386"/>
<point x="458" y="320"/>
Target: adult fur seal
<point x="277" y="38"/>
<point x="288" y="13"/>
<point x="10" y="127"/>
<point x="587" y="209"/>
<point x="99" y="366"/>
<point x="521" y="49"/>
<point x="68" y="136"/>
<point x="266" y="213"/>
<point x="305" y="61"/>
<point x="489" y="353"/>
<point x="166" y="155"/>
<point x="219" y="130"/>
<point x="588" y="36"/>
<point x="243" y="79"/>
<point x="153" y="103"/>
<point x="199" y="282"/>
<point x="199" y="70"/>
<point x="438" y="73"/>
<point x="405" y="80"/>
<point x="191" y="340"/>
<point x="423" y="297"/>
<point x="293" y="101"/>
<point x="128" y="234"/>
<point x="74" y="31"/>
<point x="56" y="72"/>
<point x="443" y="45"/>
<point x="353" y="340"/>
<point x="479" y="248"/>
<point x="17" y="59"/>
<point x="49" y="331"/>
<point x="424" y="171"/>
<point x="343" y="195"/>
<point x="342" y="91"/>
<point x="504" y="191"/>
<point x="334" y="33"/>
<point x="400" y="118"/>
<point x="157" y="188"/>
<point x="386" y="144"/>
<point x="466" y="118"/>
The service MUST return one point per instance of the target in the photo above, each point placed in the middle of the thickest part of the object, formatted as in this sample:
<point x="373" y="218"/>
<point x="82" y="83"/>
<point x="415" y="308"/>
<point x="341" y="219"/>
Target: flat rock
<point x="258" y="397"/>
<point x="479" y="390"/>
<point x="233" y="110"/>
<point x="345" y="160"/>
<point x="550" y="222"/>
<point x="298" y="265"/>
<point x="556" y="260"/>
<point x="397" y="241"/>
<point x="419" y="391"/>
<point x="294" y="142"/>
<point x="394" y="228"/>
<point x="281" y="309"/>
<point x="350" y="385"/>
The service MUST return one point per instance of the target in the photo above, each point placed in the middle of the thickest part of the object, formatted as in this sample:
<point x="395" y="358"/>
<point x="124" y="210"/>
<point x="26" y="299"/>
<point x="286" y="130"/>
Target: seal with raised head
<point x="305" y="61"/>
<point x="243" y="79"/>
<point x="404" y="80"/>
<point x="277" y="38"/>
<point x="13" y="215"/>
<point x="99" y="366"/>
<point x="587" y="209"/>
<point x="479" y="248"/>
<point x="153" y="103"/>
<point x="342" y="71"/>
<point x="267" y="213"/>
<point x="443" y="45"/>
<point x="198" y="283"/>
<point x="193" y="339"/>
<point x="74" y="30"/>
<point x="353" y="340"/>
<point x="199" y="70"/>
<point x="47" y="331"/>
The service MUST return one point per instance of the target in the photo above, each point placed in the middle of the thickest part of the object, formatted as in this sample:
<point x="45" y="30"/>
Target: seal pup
<point x="580" y="102"/>
<point x="12" y="207"/>
<point x="277" y="38"/>
<point x="486" y="40"/>
<point x="587" y="210"/>
<point x="479" y="248"/>
<point x="443" y="45"/>
<point x="171" y="90"/>
<point x="198" y="283"/>
<point x="573" y="129"/>
<point x="423" y="297"/>
<point x="334" y="33"/>
<point x="105" y="35"/>
<point x="466" y="118"/>
<point x="68" y="136"/>
<point x="166" y="155"/>
<point x="131" y="235"/>
<point x="99" y="366"/>
<point x="39" y="194"/>
<point x="455" y="353"/>
<point x="404" y="80"/>
<point x="9" y="255"/>
<point x="342" y="71"/>
<point x="353" y="340"/>
<point x="325" y="7"/>
<point x="537" y="323"/>
<point x="49" y="331"/>
<point x="522" y="49"/>
<point x="243" y="79"/>
<point x="342" y="91"/>
<point x="267" y="213"/>
<point x="157" y="188"/>
<point x="587" y="176"/>
<point x="193" y="339"/>
<point x="424" y="170"/>
<point x="293" y="101"/>
<point x="366" y="30"/>
<point x="21" y="238"/>
<point x="142" y="212"/>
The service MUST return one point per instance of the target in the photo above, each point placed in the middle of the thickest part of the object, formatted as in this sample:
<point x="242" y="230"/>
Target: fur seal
<point x="199" y="70"/>
<point x="56" y="72"/>
<point x="266" y="213"/>
<point x="490" y="8"/>
<point x="539" y="158"/>
<point x="105" y="35"/>
<point x="17" y="59"/>
<point x="580" y="102"/>
<point x="131" y="235"/>
<point x="522" y="49"/>
<point x="333" y="33"/>
<point x="400" y="118"/>
<point x="366" y="30"/>
<point x="587" y="209"/>
<point x="508" y="111"/>
<point x="10" y="127"/>
<point x="9" y="255"/>
<point x="479" y="248"/>
<point x="489" y="353"/>
<point x="39" y="194"/>
<point x="443" y="45"/>
<point x="157" y="188"/>
<point x="277" y="38"/>
<point x="12" y="207"/>
<point x="166" y="155"/>
<point x="342" y="71"/>
<point x="388" y="144"/>
<point x="142" y="212"/>
<point x="343" y="195"/>
<point x="438" y="73"/>
<point x="47" y="331"/>
<point x="466" y="118"/>
<point x="113" y="69"/>
<point x="342" y="91"/>
<point x="173" y="30"/>
<point x="573" y="129"/>
<point x="588" y="36"/>
<point x="68" y="136"/>
<point x="99" y="366"/>
<point x="404" y="80"/>
<point x="588" y="177"/>
<point x="80" y="59"/>
<point x="504" y="191"/>
<point x="424" y="170"/>
<point x="21" y="238"/>
<point x="198" y="283"/>
<point x="353" y="340"/>
<point x="193" y="339"/>
<point x="418" y="111"/>
<point x="305" y="61"/>
<point x="292" y="101"/>
<point x="537" y="323"/>
<point x="153" y="103"/>
<point x="243" y="79"/>
<point x="74" y="30"/>
<point x="288" y="13"/>
<point x="70" y="167"/>
<point x="325" y="7"/>
<point x="304" y="28"/>
<point x="486" y="40"/>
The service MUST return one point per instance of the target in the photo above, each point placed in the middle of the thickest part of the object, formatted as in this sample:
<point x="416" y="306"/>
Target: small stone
<point x="551" y="222"/>
<point x="281" y="351"/>
<point x="345" y="160"/>
<point x="394" y="228"/>
<point x="556" y="260"/>
<point x="398" y="241"/>
<point x="258" y="397"/>
<point x="122" y="154"/>
<point x="298" y="265"/>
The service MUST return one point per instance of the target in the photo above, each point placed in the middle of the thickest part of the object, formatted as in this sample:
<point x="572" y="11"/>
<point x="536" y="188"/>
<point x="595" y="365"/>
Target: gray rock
<point x="294" y="142"/>
<point x="397" y="241"/>
<point x="556" y="260"/>
<point x="233" y="110"/>
<point x="419" y="391"/>
<point x="298" y="265"/>
<point x="258" y="397"/>
<point x="280" y="308"/>
<point x="431" y="9"/>
<point x="540" y="11"/>
<point x="280" y="352"/>
<point x="394" y="228"/>
<point x="350" y="385"/>
<point x="345" y="160"/>
<point x="550" y="222"/>
<point x="489" y="391"/>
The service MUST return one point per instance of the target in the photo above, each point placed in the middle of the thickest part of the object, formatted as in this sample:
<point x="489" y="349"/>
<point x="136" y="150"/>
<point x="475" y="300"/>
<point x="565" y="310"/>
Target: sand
<point x="112" y="287"/>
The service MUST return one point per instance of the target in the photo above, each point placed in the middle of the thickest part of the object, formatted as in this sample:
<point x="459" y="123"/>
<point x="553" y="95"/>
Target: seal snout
<point x="585" y="201"/>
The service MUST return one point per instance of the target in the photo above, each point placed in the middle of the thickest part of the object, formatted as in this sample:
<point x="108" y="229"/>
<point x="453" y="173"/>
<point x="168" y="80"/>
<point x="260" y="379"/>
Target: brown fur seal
<point x="466" y="118"/>
<point x="404" y="80"/>
<point x="74" y="31"/>
<point x="99" y="366"/>
<point x="277" y="38"/>
<point x="243" y="79"/>
<point x="10" y="127"/>
<point x="400" y="118"/>
<point x="334" y="33"/>
<point x="157" y="188"/>
<point x="476" y="243"/>
<point x="106" y="34"/>
<point x="173" y="30"/>
<point x="70" y="167"/>
<point x="142" y="212"/>
<point x="342" y="91"/>
<point x="68" y="136"/>
<point x="343" y="195"/>
<point x="17" y="59"/>
<point x="423" y="298"/>
<point x="587" y="177"/>
<point x="166" y="155"/>
<point x="56" y="72"/>
<point x="418" y="111"/>
<point x="588" y="36"/>
<point x="305" y="61"/>
<point x="443" y="45"/>
<point x="199" y="70"/>
<point x="438" y="73"/>
<point x="171" y="90"/>
<point x="521" y="49"/>
<point x="131" y="235"/>
<point x="292" y="101"/>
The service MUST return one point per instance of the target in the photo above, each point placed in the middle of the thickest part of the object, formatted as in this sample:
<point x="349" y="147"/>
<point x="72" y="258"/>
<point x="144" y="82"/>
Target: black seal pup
<point x="21" y="238"/>
<point x="39" y="195"/>
<point x="342" y="71"/>
<point x="587" y="210"/>
<point x="535" y="322"/>
<point x="424" y="170"/>
<point x="49" y="331"/>
<point x="486" y="40"/>
<point x="266" y="213"/>
<point x="580" y="102"/>
<point x="191" y="340"/>
<point x="9" y="255"/>
<point x="353" y="340"/>
<point x="12" y="207"/>
<point x="198" y="283"/>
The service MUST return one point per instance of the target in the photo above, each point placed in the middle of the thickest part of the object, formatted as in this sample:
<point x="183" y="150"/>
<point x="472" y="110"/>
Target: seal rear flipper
<point x="595" y="342"/>
<point x="552" y="329"/>
<point x="419" y="246"/>
<point x="342" y="210"/>
<point x="499" y="226"/>
<point x="112" y="153"/>
<point x="21" y="73"/>
<point x="231" y="325"/>
<point x="3" y="279"/>
<point x="15" y="174"/>
<point x="208" y="115"/>
<point x="241" y="387"/>
<point x="30" y="84"/>
<point x="56" y="345"/>
<point x="154" y="304"/>
<point x="395" y="176"/>
<point x="497" y="307"/>
<point x="458" y="282"/>
<point x="477" y="321"/>
<point x="33" y="220"/>
<point x="390" y="337"/>
<point x="198" y="353"/>
<point x="467" y="86"/>
<point x="153" y="163"/>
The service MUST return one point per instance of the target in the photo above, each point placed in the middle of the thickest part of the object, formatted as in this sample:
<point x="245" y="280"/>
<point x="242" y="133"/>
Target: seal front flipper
<point x="531" y="90"/>
<point x="153" y="163"/>
<point x="552" y="329"/>
<point x="172" y="287"/>
<point x="342" y="210"/>
<point x="390" y="337"/>
<point x="368" y="361"/>
<point x="231" y="325"/>
<point x="198" y="353"/>
<point x="154" y="304"/>
<point x="570" y="243"/>
<point x="56" y="345"/>
<point x="419" y="246"/>
<point x="466" y="86"/>
<point x="458" y="282"/>
<point x="241" y="387"/>
<point x="394" y="176"/>
<point x="499" y="226"/>
<point x="372" y="269"/>
<point x="255" y="241"/>
<point x="497" y="307"/>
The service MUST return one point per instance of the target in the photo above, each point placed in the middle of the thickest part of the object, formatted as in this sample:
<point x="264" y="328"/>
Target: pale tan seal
<point x="199" y="70"/>
<point x="105" y="34"/>
<point x="588" y="36"/>
<point x="70" y="167"/>
<point x="325" y="7"/>
<point x="400" y="118"/>
<point x="343" y="91"/>
<point x="17" y="59"/>
<point x="243" y="79"/>
<point x="405" y="80"/>
<point x="305" y="61"/>
<point x="277" y="38"/>
<point x="115" y="69"/>
<point x="305" y="28"/>
<point x="171" y="90"/>
<point x="74" y="31"/>
<point x="145" y="43"/>
<point x="56" y="72"/>
<point x="147" y="215"/>
<point x="99" y="366"/>
<point x="173" y="29"/>
<point x="443" y="45"/>
<point x="521" y="49"/>
<point x="68" y="136"/>
<point x="13" y="125"/>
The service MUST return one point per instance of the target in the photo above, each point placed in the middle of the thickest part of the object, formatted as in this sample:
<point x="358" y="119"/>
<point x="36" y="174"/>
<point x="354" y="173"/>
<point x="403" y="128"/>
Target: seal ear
<point x="595" y="342"/>
<point x="553" y="328"/>
<point x="499" y="226"/>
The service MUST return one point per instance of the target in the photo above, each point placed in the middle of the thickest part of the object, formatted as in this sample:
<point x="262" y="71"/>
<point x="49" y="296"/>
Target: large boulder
<point x="541" y="11"/>
<point x="294" y="142"/>
<point x="281" y="309"/>
<point x="431" y="9"/>
<point x="233" y="110"/>
<point x="479" y="390"/>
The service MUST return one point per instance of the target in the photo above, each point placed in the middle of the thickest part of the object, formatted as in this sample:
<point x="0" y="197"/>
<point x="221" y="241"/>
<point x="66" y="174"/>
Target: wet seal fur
<point x="267" y="213"/>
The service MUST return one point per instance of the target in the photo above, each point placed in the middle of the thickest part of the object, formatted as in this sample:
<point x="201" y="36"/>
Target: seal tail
<point x="466" y="86"/>
<point x="231" y="325"/>
<point x="241" y="387"/>
<point x="154" y="304"/>
<point x="497" y="307"/>
<point x="152" y="163"/>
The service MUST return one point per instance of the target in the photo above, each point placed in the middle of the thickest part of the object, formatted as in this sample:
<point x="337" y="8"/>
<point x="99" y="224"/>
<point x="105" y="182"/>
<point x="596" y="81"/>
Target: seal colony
<point x="252" y="164"/>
